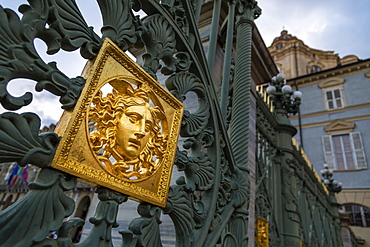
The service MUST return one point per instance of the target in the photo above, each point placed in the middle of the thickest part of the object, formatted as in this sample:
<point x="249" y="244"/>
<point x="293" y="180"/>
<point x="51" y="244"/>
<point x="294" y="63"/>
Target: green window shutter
<point x="358" y="150"/>
<point x="328" y="151"/>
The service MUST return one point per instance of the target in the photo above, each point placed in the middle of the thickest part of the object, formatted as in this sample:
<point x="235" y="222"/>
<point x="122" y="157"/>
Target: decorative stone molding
<point x="315" y="62"/>
<point x="331" y="82"/>
<point x="349" y="59"/>
<point x="354" y="196"/>
<point x="339" y="126"/>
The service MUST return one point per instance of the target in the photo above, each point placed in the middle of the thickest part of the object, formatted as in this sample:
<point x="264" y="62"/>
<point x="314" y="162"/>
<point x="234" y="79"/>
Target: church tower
<point x="294" y="58"/>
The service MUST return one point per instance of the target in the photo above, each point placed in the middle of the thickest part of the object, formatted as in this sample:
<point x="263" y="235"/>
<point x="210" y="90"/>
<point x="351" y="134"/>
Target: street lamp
<point x="285" y="100"/>
<point x="283" y="95"/>
<point x="333" y="185"/>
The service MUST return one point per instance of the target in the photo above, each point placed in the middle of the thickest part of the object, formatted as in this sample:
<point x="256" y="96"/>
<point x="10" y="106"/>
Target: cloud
<point x="44" y="104"/>
<point x="340" y="25"/>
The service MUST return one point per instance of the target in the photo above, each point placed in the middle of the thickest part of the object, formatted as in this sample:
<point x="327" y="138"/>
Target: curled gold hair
<point x="107" y="112"/>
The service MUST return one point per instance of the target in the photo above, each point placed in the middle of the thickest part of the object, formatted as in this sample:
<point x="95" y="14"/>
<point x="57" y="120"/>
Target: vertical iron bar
<point x="213" y="35"/>
<point x="227" y="59"/>
<point x="198" y="8"/>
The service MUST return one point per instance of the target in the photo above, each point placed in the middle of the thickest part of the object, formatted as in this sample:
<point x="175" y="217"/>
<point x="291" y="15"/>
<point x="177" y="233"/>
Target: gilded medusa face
<point x="128" y="140"/>
<point x="134" y="129"/>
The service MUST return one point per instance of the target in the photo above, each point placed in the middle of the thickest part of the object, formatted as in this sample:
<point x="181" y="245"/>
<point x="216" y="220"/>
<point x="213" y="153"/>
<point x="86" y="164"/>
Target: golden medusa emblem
<point x="128" y="138"/>
<point x="122" y="134"/>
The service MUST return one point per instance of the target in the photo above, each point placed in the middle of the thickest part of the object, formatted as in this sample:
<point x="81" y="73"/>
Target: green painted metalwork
<point x="41" y="211"/>
<point x="246" y="12"/>
<point x="288" y="192"/>
<point x="227" y="59"/>
<point x="20" y="140"/>
<point x="173" y="47"/>
<point x="214" y="35"/>
<point x="209" y="203"/>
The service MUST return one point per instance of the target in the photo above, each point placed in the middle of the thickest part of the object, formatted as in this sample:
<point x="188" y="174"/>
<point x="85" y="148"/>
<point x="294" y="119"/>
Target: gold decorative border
<point x="62" y="160"/>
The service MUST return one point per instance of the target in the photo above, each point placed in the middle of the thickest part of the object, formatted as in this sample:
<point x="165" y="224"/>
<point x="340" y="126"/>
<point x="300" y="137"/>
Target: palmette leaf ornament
<point x="177" y="11"/>
<point x="34" y="20"/>
<point x="42" y="210"/>
<point x="198" y="167"/>
<point x="19" y="59"/>
<point x="144" y="231"/>
<point x="119" y="23"/>
<point x="20" y="142"/>
<point x="240" y="186"/>
<point x="66" y="18"/>
<point x="160" y="44"/>
<point x="180" y="210"/>
<point x="179" y="85"/>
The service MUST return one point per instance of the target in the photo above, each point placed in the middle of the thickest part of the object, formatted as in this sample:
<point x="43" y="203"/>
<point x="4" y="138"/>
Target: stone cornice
<point x="325" y="112"/>
<point x="325" y="123"/>
<point x="338" y="71"/>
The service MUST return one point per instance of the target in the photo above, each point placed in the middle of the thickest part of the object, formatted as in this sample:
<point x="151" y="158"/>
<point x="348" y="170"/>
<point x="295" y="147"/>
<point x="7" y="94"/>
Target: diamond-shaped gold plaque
<point x="122" y="133"/>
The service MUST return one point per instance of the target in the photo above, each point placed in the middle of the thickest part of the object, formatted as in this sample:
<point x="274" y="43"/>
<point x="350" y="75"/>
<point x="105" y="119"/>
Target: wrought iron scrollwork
<point x="20" y="140"/>
<point x="120" y="25"/>
<point x="160" y="44"/>
<point x="144" y="231"/>
<point x="19" y="58"/>
<point x="212" y="191"/>
<point x="43" y="208"/>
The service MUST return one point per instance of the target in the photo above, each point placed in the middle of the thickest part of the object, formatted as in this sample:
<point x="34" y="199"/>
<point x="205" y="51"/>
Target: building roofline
<point x="336" y="70"/>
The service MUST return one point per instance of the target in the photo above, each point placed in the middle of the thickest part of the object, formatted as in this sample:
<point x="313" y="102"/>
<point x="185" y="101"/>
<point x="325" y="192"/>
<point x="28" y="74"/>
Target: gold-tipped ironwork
<point x="122" y="133"/>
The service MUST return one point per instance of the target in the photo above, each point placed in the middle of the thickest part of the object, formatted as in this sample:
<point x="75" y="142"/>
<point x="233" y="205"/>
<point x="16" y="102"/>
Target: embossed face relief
<point x="122" y="133"/>
<point x="128" y="132"/>
<point x="134" y="130"/>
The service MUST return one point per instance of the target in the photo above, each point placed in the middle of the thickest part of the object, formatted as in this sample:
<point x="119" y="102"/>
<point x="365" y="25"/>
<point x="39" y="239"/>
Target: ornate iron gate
<point x="209" y="204"/>
<point x="300" y="209"/>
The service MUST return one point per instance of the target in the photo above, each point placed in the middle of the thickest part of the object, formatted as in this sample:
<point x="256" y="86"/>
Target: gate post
<point x="246" y="12"/>
<point x="285" y="202"/>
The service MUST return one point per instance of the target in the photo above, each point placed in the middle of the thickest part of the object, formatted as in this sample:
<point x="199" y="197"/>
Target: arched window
<point x="315" y="69"/>
<point x="279" y="46"/>
<point x="358" y="215"/>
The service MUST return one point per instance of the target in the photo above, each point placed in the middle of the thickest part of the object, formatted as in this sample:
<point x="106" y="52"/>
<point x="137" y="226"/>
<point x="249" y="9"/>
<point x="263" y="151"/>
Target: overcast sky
<point x="341" y="26"/>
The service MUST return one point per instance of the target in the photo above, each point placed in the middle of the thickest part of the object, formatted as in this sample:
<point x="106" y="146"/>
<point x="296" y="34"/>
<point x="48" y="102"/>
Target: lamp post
<point x="331" y="184"/>
<point x="283" y="170"/>
<point x="283" y="95"/>
<point x="333" y="187"/>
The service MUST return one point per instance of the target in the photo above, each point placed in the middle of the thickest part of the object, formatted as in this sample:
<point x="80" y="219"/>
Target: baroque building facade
<point x="334" y="120"/>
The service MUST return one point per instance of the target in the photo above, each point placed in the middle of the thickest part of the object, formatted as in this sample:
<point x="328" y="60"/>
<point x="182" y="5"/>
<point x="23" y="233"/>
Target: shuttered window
<point x="344" y="152"/>
<point x="328" y="151"/>
<point x="334" y="99"/>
